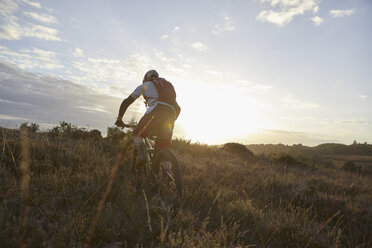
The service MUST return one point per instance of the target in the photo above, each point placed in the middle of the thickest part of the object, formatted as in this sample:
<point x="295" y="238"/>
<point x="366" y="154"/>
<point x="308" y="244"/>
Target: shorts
<point x="160" y="123"/>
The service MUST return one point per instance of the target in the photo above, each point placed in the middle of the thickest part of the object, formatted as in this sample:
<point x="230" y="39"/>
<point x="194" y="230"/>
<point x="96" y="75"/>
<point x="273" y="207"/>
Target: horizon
<point x="252" y="72"/>
<point x="104" y="135"/>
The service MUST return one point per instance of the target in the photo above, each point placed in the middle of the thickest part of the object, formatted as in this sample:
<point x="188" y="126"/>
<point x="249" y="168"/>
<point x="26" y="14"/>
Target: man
<point x="162" y="111"/>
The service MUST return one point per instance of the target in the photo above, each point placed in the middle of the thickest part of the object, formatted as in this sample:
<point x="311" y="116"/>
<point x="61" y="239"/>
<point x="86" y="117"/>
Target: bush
<point x="33" y="127"/>
<point x="238" y="149"/>
<point x="288" y="160"/>
<point x="68" y="130"/>
<point x="115" y="133"/>
<point x="351" y="167"/>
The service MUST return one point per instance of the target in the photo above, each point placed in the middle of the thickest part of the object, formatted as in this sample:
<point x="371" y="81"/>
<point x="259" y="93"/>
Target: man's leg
<point x="143" y="128"/>
<point x="164" y="130"/>
<point x="140" y="145"/>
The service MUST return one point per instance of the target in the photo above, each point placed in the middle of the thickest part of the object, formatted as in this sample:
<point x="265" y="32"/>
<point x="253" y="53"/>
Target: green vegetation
<point x="327" y="155"/>
<point x="323" y="149"/>
<point x="230" y="200"/>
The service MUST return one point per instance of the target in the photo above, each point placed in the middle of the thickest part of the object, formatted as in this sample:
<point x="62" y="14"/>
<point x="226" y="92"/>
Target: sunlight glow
<point x="216" y="114"/>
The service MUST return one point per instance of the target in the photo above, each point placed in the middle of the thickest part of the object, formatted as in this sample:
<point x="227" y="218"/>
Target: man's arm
<point x="123" y="107"/>
<point x="126" y="102"/>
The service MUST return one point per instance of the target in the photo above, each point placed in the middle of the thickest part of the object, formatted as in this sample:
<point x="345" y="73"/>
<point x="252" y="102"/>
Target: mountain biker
<point x="162" y="111"/>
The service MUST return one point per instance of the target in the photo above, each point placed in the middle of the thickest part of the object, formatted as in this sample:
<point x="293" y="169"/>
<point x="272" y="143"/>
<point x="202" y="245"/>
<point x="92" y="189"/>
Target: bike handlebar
<point x="127" y="126"/>
<point x="130" y="126"/>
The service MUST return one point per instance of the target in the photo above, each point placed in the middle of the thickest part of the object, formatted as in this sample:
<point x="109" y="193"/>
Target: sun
<point x="217" y="115"/>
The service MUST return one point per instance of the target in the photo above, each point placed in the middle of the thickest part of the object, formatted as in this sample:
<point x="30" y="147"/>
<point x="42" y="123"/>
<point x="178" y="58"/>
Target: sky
<point x="249" y="71"/>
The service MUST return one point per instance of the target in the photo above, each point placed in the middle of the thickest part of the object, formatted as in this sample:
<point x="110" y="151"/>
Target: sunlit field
<point x="54" y="192"/>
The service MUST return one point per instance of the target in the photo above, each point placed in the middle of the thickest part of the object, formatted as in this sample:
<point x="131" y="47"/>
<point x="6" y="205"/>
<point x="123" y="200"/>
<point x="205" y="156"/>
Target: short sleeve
<point x="137" y="92"/>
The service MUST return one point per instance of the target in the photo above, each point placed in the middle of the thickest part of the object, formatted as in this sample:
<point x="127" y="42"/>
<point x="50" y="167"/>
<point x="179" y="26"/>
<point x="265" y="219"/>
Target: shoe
<point x="141" y="159"/>
<point x="166" y="165"/>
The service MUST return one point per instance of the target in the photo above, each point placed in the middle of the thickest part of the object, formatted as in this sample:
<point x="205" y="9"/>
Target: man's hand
<point x="119" y="122"/>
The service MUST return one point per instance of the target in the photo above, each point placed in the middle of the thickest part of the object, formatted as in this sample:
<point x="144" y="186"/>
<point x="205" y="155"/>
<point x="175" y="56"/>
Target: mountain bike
<point x="161" y="171"/>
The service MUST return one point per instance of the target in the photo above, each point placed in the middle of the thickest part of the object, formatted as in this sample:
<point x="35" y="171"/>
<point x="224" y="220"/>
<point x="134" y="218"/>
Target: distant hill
<point x="323" y="149"/>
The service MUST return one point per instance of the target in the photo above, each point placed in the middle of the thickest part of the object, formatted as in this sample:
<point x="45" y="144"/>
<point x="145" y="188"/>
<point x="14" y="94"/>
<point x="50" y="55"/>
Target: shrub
<point x="115" y="133"/>
<point x="237" y="149"/>
<point x="351" y="167"/>
<point x="68" y="130"/>
<point x="33" y="127"/>
<point x="288" y="160"/>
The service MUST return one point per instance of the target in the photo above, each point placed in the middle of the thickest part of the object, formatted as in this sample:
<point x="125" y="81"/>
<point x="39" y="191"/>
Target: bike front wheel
<point x="169" y="173"/>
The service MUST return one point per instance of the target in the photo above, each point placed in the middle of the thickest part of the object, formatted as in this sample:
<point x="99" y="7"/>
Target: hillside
<point x="230" y="200"/>
<point x="330" y="155"/>
<point x="322" y="149"/>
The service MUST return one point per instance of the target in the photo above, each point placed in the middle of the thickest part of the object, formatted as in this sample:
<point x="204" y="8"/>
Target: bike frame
<point x="149" y="155"/>
<point x="149" y="150"/>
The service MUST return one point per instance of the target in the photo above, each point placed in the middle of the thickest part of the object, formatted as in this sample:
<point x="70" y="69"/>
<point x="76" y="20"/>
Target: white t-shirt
<point x="148" y="90"/>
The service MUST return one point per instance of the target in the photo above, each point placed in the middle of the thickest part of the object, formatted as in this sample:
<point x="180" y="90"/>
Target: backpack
<point x="165" y="90"/>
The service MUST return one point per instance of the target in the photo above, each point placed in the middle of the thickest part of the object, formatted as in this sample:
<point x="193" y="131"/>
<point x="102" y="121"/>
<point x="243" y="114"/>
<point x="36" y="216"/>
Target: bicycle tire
<point x="174" y="176"/>
<point x="141" y="180"/>
<point x="134" y="158"/>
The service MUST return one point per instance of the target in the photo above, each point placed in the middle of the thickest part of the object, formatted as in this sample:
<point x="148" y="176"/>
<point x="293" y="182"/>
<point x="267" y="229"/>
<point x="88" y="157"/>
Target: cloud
<point x="363" y="96"/>
<point x="160" y="55"/>
<point x="198" y="46"/>
<point x="41" y="32"/>
<point x="7" y="8"/>
<point x="341" y="13"/>
<point x="164" y="37"/>
<point x="96" y="70"/>
<point x="11" y="117"/>
<point x="274" y="136"/>
<point x="10" y="31"/>
<point x="33" y="4"/>
<point x="285" y="10"/>
<point x="252" y="86"/>
<point x="14" y="31"/>
<point x="128" y="71"/>
<point x="317" y="20"/>
<point x="353" y="122"/>
<point x="45" y="18"/>
<point x="40" y="98"/>
<point x="31" y="58"/>
<point x="10" y="25"/>
<point x="226" y="26"/>
<point x="316" y="9"/>
<point x="216" y="73"/>
<point x="262" y="87"/>
<point x="78" y="53"/>
<point x="13" y="28"/>
<point x="291" y="101"/>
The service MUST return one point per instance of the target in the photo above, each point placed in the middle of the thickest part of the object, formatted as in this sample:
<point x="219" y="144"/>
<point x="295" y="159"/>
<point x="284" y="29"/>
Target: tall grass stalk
<point x="148" y="213"/>
<point x="321" y="228"/>
<point x="25" y="186"/>
<point x="101" y="203"/>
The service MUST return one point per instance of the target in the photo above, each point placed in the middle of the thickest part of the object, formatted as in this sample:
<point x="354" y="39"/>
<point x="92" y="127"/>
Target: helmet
<point x="152" y="74"/>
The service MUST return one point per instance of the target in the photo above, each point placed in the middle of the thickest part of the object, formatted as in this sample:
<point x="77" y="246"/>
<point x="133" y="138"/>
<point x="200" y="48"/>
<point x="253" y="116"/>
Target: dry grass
<point x="80" y="193"/>
<point x="25" y="185"/>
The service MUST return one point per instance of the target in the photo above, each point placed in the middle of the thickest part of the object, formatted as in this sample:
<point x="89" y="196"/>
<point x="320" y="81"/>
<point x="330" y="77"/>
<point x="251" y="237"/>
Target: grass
<point x="80" y="194"/>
